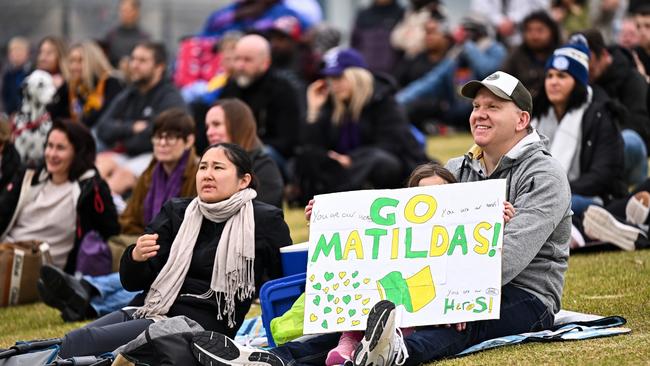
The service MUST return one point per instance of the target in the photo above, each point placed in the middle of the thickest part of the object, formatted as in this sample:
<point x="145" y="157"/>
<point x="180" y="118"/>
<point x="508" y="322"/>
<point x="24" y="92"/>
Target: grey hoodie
<point x="535" y="241"/>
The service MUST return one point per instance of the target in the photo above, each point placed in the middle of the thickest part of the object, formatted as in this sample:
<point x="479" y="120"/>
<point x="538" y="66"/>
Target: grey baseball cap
<point x="504" y="86"/>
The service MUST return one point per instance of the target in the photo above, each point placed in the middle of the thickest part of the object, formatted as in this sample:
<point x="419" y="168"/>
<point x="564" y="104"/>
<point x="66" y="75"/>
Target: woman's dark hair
<point x="239" y="157"/>
<point x="427" y="170"/>
<point x="83" y="143"/>
<point x="543" y="17"/>
<point x="174" y="121"/>
<point x="577" y="98"/>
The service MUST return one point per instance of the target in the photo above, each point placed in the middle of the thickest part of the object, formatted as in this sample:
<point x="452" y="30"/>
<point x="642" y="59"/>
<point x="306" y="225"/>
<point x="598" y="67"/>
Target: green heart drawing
<point x="329" y="276"/>
<point x="355" y="274"/>
<point x="327" y="310"/>
<point x="317" y="286"/>
<point x="351" y="312"/>
<point x="346" y="299"/>
<point x="317" y="300"/>
<point x="355" y="285"/>
<point x="330" y="297"/>
<point x="324" y="324"/>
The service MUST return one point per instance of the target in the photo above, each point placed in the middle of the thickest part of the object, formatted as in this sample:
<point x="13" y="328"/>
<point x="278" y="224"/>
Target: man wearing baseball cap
<point x="535" y="241"/>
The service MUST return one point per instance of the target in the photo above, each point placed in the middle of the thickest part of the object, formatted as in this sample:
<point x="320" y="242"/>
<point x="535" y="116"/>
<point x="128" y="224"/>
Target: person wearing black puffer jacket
<point x="356" y="135"/>
<point x="581" y="124"/>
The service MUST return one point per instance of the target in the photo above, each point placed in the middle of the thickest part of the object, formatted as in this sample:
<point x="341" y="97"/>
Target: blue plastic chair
<point x="277" y="296"/>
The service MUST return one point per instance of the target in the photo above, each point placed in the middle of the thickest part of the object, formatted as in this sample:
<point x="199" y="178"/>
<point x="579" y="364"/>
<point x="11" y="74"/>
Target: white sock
<point x="636" y="212"/>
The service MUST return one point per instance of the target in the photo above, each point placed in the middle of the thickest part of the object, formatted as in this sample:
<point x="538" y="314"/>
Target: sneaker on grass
<point x="601" y="225"/>
<point x="382" y="344"/>
<point x="215" y="349"/>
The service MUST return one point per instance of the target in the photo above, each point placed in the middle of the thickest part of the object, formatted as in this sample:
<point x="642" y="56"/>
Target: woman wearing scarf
<point x="580" y="123"/>
<point x="89" y="87"/>
<point x="202" y="258"/>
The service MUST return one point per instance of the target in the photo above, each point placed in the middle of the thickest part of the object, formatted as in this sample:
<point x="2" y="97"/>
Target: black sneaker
<point x="382" y="344"/>
<point x="215" y="349"/>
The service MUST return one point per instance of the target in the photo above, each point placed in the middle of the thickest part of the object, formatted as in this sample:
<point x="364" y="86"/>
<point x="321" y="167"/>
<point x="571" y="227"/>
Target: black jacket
<point x="270" y="185"/>
<point x="276" y="106"/>
<point x="271" y="233"/>
<point x="382" y="124"/>
<point x="115" y="126"/>
<point x="623" y="83"/>
<point x="601" y="154"/>
<point x="10" y="165"/>
<point x="60" y="106"/>
<point x="95" y="209"/>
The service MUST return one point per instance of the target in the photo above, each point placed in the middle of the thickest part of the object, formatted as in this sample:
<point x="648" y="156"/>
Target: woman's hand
<point x="508" y="211"/>
<point x="344" y="160"/>
<point x="308" y="209"/>
<point x="316" y="96"/>
<point x="145" y="247"/>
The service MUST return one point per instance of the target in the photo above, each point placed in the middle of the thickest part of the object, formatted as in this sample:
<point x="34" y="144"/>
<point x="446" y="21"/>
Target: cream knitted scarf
<point x="232" y="274"/>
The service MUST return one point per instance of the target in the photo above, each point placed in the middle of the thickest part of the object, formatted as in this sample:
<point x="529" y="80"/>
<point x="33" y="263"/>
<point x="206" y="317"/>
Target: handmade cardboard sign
<point x="433" y="251"/>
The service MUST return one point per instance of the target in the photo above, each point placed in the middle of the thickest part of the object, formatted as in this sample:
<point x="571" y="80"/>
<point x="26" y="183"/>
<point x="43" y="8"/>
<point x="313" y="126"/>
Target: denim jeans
<point x="521" y="312"/>
<point x="112" y="296"/>
<point x="635" y="153"/>
<point x="579" y="203"/>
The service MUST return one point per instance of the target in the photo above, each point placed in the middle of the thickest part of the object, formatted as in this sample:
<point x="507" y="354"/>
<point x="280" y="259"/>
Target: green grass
<point x="609" y="283"/>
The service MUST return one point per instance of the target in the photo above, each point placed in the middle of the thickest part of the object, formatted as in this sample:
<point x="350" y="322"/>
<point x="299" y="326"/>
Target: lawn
<point x="607" y="283"/>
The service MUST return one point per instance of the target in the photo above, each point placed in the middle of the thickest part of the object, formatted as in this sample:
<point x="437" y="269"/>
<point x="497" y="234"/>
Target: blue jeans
<point x="579" y="203"/>
<point x="112" y="296"/>
<point x="635" y="153"/>
<point x="521" y="312"/>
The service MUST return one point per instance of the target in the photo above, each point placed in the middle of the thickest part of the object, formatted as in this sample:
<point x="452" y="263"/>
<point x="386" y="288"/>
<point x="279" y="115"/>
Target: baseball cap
<point x="337" y="60"/>
<point x="504" y="86"/>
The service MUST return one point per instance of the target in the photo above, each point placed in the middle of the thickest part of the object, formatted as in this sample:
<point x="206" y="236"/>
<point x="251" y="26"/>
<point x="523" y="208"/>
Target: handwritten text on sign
<point x="433" y="251"/>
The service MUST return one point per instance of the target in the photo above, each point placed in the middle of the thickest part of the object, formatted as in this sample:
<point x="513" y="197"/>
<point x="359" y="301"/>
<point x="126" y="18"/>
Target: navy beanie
<point x="572" y="58"/>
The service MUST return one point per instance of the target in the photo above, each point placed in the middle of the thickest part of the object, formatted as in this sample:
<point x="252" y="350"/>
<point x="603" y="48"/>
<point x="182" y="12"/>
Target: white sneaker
<point x="215" y="349"/>
<point x="382" y="344"/>
<point x="601" y="225"/>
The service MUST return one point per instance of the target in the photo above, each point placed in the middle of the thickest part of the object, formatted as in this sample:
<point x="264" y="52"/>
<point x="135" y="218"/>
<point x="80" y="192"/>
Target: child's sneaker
<point x="343" y="351"/>
<point x="215" y="349"/>
<point x="382" y="344"/>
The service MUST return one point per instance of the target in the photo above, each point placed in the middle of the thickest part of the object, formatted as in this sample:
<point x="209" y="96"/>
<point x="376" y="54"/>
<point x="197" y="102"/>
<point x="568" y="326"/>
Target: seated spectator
<point x="613" y="69"/>
<point x="628" y="36"/>
<point x="273" y="99"/>
<point x="51" y="58"/>
<point x="437" y="44"/>
<point x="246" y="15"/>
<point x="572" y="15"/>
<point x="541" y="36"/>
<point x="355" y="135"/>
<point x="175" y="262"/>
<point x="17" y="69"/>
<point x="121" y="40"/>
<point x="171" y="173"/>
<point x="232" y="121"/>
<point x="506" y="17"/>
<point x="582" y="128"/>
<point x="371" y="34"/>
<point x="89" y="88"/>
<point x="408" y="35"/>
<point x="61" y="201"/>
<point x="642" y="18"/>
<point x="125" y="128"/>
<point x="476" y="54"/>
<point x="9" y="158"/>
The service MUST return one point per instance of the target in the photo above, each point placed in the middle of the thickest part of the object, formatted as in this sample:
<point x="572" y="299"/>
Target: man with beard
<point x="541" y="37"/>
<point x="274" y="101"/>
<point x="125" y="129"/>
